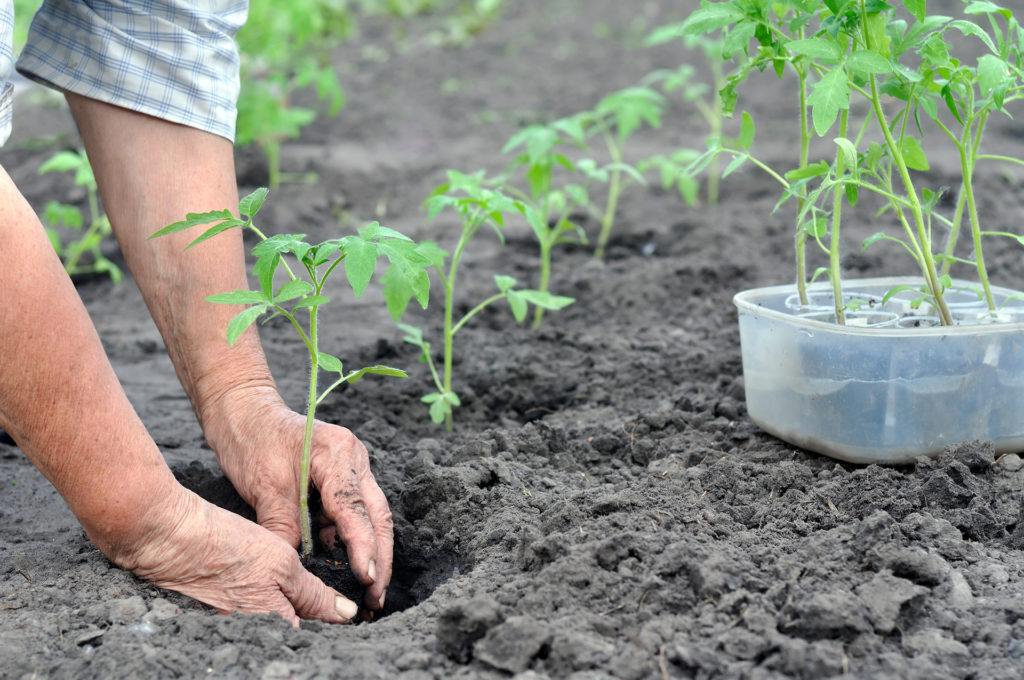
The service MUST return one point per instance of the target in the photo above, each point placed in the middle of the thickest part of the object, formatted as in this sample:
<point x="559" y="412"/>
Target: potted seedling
<point x="890" y="368"/>
<point x="477" y="205"/>
<point x="301" y="296"/>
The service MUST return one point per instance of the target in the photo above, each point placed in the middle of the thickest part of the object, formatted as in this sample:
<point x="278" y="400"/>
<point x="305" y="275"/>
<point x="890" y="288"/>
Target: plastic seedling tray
<point x="890" y="385"/>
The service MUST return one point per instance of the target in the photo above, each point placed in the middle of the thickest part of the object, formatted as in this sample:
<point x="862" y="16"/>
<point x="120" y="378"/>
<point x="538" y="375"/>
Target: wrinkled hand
<point x="258" y="442"/>
<point x="231" y="564"/>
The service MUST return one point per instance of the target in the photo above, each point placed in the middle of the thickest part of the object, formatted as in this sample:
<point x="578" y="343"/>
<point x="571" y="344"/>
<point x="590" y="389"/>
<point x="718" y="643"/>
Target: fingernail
<point x="371" y="570"/>
<point x="381" y="600"/>
<point x="346" y="608"/>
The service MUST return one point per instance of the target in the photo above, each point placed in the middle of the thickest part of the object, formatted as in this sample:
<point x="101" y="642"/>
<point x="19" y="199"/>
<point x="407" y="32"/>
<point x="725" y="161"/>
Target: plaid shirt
<point x="172" y="59"/>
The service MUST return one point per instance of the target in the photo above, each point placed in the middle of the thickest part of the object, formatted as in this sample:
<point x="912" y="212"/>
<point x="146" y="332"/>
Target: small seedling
<point x="615" y="119"/>
<point x="57" y="215"/>
<point x="477" y="206"/>
<point x="286" y="49"/>
<point x="547" y="209"/>
<point x="300" y="298"/>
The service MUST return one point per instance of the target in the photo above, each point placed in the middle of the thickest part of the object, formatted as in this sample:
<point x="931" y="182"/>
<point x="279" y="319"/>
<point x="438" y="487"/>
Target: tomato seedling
<point x="476" y="205"/>
<point x="302" y="295"/>
<point x="57" y="215"/>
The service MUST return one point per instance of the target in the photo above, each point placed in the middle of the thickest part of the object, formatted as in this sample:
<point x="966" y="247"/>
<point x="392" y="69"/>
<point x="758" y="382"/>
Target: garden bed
<point x="603" y="505"/>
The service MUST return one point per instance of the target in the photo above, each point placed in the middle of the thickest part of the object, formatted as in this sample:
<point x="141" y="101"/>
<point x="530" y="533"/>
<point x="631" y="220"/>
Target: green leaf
<point x="710" y="18"/>
<point x="376" y="370"/>
<point x="916" y="8"/>
<point x="504" y="282"/>
<point x="868" y="62"/>
<point x="311" y="301"/>
<point x="816" y="48"/>
<point x="250" y="205"/>
<point x="329" y="362"/>
<point x="240" y="297"/>
<point x="293" y="289"/>
<point x="828" y="96"/>
<point x="849" y="153"/>
<point x="913" y="154"/>
<point x="264" y="269"/>
<point x="546" y="300"/>
<point x="819" y="169"/>
<point x="518" y="304"/>
<point x="214" y="230"/>
<point x="195" y="220"/>
<point x="992" y="72"/>
<point x="360" y="263"/>
<point x="242" y="321"/>
<point x="746" y="138"/>
<point x="816" y="227"/>
<point x="734" y="165"/>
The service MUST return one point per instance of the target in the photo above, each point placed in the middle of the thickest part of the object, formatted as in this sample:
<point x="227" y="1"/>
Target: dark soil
<point x="604" y="508"/>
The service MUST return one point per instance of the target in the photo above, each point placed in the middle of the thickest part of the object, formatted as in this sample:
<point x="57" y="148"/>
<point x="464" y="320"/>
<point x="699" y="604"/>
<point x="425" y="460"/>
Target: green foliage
<point x="477" y="205"/>
<point x="903" y="66"/>
<point x="300" y="297"/>
<point x="285" y="48"/>
<point x="82" y="255"/>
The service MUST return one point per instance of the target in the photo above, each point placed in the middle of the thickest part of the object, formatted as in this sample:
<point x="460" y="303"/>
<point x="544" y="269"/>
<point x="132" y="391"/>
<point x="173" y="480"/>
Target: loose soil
<point x="604" y="508"/>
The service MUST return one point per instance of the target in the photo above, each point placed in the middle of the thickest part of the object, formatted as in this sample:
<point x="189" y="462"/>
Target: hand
<point x="258" y="442"/>
<point x="231" y="564"/>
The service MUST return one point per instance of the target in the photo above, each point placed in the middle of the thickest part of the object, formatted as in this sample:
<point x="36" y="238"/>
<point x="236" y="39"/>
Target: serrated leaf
<point x="360" y="263"/>
<point x="241" y="321"/>
<point x="868" y="62"/>
<point x="195" y="220"/>
<point x="239" y="297"/>
<point x="311" y="301"/>
<point x="250" y="205"/>
<point x="816" y="48"/>
<point x="992" y="72"/>
<point x="819" y="169"/>
<point x="293" y="289"/>
<point x="913" y="154"/>
<point x="828" y="96"/>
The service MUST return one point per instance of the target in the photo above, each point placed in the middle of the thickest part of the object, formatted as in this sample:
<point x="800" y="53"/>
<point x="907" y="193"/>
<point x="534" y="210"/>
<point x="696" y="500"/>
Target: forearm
<point x="59" y="397"/>
<point x="151" y="173"/>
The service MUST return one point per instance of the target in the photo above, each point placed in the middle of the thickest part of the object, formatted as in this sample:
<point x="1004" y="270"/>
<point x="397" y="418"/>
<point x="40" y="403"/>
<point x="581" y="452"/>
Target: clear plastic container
<point x="883" y="393"/>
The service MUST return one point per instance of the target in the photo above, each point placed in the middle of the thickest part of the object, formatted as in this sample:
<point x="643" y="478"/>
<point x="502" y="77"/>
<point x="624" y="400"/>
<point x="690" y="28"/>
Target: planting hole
<point x="417" y="571"/>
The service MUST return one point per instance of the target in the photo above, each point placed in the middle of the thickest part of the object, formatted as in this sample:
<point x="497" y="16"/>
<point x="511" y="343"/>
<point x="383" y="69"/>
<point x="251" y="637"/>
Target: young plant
<point x="615" y="119"/>
<point x="57" y="215"/>
<point x="546" y="207"/>
<point x="300" y="298"/>
<point x="285" y="49"/>
<point x="903" y="71"/>
<point x="477" y="206"/>
<point x="694" y="93"/>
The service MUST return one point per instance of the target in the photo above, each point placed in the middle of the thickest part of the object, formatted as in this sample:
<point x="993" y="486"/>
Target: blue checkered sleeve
<point x="172" y="59"/>
<point x="6" y="68"/>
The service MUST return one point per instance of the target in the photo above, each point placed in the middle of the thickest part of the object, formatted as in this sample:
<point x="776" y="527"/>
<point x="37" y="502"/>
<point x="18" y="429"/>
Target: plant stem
<point x="608" y="220"/>
<point x="837" y="210"/>
<point x="801" y="235"/>
<point x="967" y="149"/>
<point x="305" y="527"/>
<point x="927" y="261"/>
<point x="545" y="277"/>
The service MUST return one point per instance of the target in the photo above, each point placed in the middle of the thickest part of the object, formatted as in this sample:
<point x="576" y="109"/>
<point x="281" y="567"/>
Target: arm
<point x="61" y="402"/>
<point x="151" y="173"/>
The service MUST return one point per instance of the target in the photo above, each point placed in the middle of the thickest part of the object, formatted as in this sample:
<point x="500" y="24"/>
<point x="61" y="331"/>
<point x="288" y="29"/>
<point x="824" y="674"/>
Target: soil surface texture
<point x="604" y="507"/>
